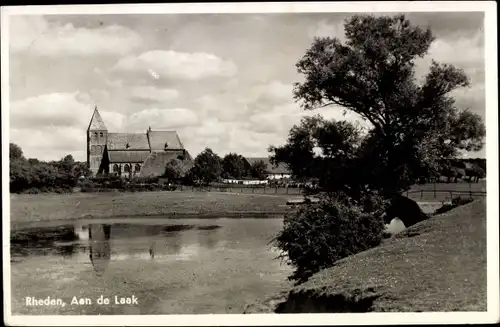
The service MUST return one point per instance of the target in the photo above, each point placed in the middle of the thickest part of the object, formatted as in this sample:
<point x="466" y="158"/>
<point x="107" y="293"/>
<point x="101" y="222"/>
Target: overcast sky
<point x="221" y="81"/>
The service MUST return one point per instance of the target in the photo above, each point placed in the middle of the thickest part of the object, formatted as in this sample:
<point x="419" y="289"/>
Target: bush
<point x="317" y="235"/>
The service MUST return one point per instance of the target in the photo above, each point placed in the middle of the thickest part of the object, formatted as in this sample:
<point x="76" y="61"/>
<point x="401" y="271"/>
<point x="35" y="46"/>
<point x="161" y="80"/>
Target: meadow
<point x="25" y="208"/>
<point x="188" y="202"/>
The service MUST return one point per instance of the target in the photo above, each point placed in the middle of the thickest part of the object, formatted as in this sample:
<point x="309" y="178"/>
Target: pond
<point x="153" y="266"/>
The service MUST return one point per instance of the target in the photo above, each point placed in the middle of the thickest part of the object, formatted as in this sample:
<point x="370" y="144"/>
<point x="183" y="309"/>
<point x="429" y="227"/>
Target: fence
<point x="443" y="195"/>
<point x="246" y="189"/>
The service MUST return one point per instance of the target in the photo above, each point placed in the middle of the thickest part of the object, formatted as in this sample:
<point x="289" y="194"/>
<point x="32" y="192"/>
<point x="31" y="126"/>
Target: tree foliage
<point x="207" y="167"/>
<point x="317" y="235"/>
<point x="15" y="152"/>
<point x="38" y="176"/>
<point x="258" y="170"/>
<point x="413" y="127"/>
<point x="372" y="74"/>
<point x="234" y="166"/>
<point x="172" y="170"/>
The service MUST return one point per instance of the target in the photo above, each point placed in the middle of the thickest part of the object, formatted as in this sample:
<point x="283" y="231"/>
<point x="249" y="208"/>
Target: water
<point x="182" y="266"/>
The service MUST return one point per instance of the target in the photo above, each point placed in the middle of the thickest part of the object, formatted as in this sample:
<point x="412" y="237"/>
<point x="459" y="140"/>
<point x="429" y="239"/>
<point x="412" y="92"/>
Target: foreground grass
<point x="45" y="207"/>
<point x="436" y="265"/>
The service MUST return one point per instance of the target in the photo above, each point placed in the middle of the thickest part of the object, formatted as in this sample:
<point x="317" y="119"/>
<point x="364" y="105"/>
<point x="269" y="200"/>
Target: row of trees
<point x="208" y="167"/>
<point x="35" y="176"/>
<point x="413" y="128"/>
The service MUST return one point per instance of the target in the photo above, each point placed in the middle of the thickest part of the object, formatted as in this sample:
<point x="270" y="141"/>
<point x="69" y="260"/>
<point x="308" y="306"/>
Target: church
<point x="133" y="154"/>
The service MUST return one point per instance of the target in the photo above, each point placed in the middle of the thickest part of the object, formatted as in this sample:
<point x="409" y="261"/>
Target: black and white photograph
<point x="250" y="163"/>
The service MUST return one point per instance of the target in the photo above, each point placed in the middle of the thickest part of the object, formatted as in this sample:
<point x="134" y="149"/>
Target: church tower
<point x="97" y="135"/>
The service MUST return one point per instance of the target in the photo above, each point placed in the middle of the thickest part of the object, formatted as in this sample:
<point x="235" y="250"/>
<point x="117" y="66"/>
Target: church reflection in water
<point x="129" y="241"/>
<point x="99" y="246"/>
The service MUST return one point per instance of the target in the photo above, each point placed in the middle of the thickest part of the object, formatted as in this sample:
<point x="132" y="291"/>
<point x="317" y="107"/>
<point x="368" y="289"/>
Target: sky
<point x="222" y="81"/>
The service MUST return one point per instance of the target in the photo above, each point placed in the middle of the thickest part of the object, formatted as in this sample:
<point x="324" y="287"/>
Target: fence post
<point x="434" y="189"/>
<point x="276" y="190"/>
<point x="421" y="194"/>
<point x="470" y="191"/>
<point x="451" y="195"/>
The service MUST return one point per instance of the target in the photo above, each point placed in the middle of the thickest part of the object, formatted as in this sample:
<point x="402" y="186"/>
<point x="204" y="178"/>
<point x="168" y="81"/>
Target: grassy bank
<point x="44" y="207"/>
<point x="436" y="265"/>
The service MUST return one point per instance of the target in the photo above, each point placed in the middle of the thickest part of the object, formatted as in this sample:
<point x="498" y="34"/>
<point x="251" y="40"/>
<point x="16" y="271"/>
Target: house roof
<point x="157" y="140"/>
<point x="131" y="156"/>
<point x="96" y="122"/>
<point x="135" y="141"/>
<point x="156" y="162"/>
<point x="281" y="168"/>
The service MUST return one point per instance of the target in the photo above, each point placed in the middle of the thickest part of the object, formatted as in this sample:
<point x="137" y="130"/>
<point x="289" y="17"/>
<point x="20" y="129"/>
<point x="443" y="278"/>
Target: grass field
<point x="421" y="269"/>
<point x="43" y="207"/>
<point x="237" y="202"/>
<point x="446" y="191"/>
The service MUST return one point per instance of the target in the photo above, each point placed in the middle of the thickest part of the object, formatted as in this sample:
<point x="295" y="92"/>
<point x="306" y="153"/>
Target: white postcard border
<point x="492" y="315"/>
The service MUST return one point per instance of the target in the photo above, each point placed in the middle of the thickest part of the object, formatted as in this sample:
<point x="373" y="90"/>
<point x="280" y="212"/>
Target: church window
<point x="116" y="168"/>
<point x="95" y="134"/>
<point x="137" y="168"/>
<point x="126" y="168"/>
<point x="101" y="134"/>
<point x="181" y="158"/>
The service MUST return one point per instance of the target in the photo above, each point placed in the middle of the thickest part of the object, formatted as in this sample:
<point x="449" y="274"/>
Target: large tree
<point x="234" y="166"/>
<point x="207" y="167"/>
<point x="258" y="170"/>
<point x="372" y="74"/>
<point x="15" y="152"/>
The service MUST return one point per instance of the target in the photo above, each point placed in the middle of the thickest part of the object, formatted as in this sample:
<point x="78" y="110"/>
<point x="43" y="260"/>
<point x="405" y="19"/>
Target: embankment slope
<point x="436" y="265"/>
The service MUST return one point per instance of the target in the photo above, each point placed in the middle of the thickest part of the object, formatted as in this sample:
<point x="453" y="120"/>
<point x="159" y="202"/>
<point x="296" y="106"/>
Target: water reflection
<point x="99" y="246"/>
<point x="208" y="238"/>
<point x="102" y="243"/>
<point x="173" y="266"/>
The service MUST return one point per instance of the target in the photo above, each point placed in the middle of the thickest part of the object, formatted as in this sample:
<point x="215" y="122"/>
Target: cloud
<point x="274" y="92"/>
<point x="114" y="121"/>
<point x="176" y="65"/>
<point x="49" y="110"/>
<point x="52" y="125"/>
<point x="162" y="118"/>
<point x="464" y="52"/>
<point x="324" y="28"/>
<point x="34" y="35"/>
<point x="150" y="94"/>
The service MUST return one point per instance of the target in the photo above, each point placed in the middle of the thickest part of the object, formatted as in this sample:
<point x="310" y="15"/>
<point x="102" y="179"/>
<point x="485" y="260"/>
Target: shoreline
<point x="159" y="216"/>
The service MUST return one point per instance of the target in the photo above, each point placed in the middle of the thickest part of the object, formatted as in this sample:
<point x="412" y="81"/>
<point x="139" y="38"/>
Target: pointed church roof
<point x="96" y="122"/>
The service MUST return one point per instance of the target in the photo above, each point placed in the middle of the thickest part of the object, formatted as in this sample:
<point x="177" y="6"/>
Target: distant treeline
<point x="460" y="163"/>
<point x="35" y="176"/>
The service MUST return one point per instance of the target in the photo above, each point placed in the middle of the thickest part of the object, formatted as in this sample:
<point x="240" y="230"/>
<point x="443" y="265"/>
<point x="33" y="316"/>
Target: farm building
<point x="272" y="172"/>
<point x="133" y="154"/>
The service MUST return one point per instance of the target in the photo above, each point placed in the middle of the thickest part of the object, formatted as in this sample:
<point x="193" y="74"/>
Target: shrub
<point x="317" y="235"/>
